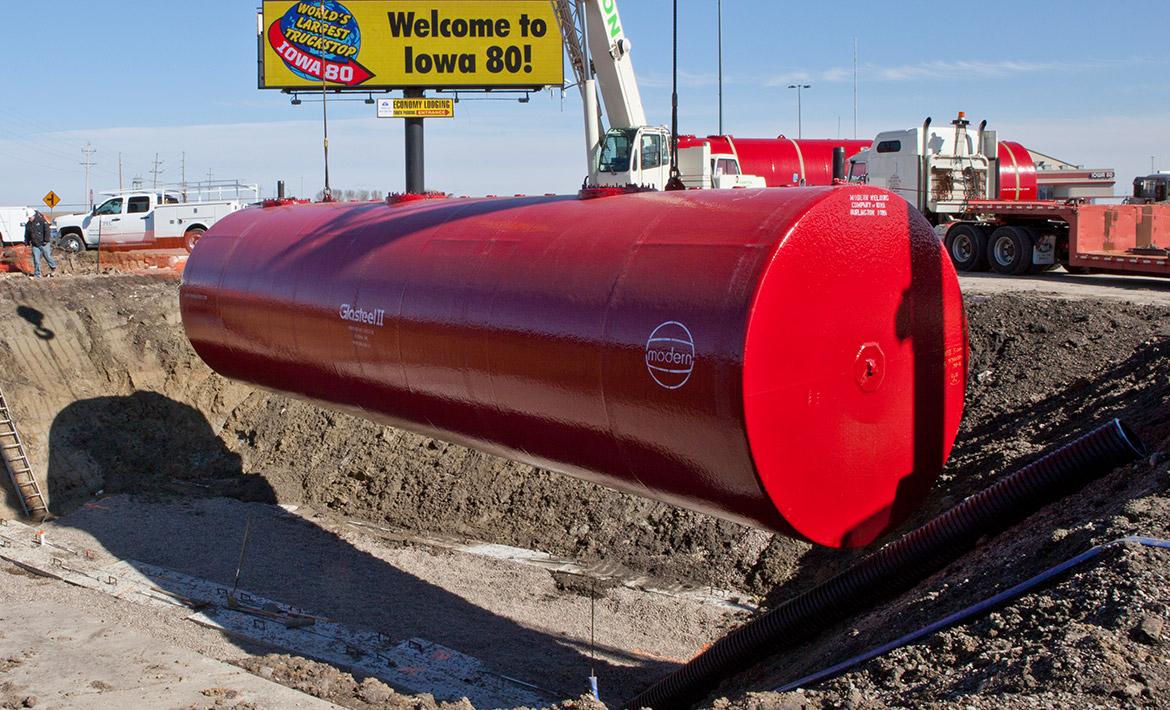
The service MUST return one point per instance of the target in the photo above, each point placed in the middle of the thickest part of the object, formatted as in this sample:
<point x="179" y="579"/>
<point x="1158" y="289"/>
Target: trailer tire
<point x="967" y="245"/>
<point x="192" y="236"/>
<point x="1010" y="251"/>
<point x="71" y="242"/>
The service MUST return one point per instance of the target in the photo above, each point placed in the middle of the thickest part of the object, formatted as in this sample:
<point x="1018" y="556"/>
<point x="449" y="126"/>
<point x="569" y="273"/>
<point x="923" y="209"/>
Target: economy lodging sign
<point x="416" y="108"/>
<point x="390" y="44"/>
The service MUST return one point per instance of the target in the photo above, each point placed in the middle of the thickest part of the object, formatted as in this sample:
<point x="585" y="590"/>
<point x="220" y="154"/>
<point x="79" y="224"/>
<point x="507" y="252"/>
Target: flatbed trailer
<point x="1030" y="236"/>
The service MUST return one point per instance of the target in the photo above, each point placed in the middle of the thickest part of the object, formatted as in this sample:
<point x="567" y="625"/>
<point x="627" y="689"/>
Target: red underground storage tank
<point x="791" y="359"/>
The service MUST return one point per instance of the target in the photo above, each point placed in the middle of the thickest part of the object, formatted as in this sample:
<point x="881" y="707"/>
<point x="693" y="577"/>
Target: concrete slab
<point x="66" y="658"/>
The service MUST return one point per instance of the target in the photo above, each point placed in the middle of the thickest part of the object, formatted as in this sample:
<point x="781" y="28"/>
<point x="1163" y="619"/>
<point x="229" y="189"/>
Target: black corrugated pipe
<point x="899" y="565"/>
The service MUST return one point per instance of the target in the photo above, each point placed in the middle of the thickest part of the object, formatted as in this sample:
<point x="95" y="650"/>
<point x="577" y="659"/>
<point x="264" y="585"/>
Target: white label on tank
<point x="868" y="206"/>
<point x="374" y="316"/>
<point x="670" y="355"/>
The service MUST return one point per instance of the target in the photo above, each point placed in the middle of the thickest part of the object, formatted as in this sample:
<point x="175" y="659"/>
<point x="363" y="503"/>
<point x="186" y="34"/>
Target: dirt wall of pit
<point x="110" y="397"/>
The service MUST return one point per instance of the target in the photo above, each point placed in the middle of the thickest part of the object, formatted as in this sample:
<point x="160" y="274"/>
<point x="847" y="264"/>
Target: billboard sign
<point x="393" y="44"/>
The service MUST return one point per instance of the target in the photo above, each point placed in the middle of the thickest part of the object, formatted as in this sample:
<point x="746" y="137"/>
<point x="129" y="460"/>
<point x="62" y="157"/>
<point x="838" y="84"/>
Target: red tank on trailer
<point x="787" y="162"/>
<point x="793" y="359"/>
<point x="781" y="161"/>
<point x="1017" y="173"/>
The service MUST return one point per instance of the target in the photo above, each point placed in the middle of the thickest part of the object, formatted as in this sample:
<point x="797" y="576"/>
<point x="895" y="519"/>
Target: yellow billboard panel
<point x="386" y="44"/>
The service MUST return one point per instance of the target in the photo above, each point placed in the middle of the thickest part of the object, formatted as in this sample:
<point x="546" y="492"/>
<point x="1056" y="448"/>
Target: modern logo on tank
<point x="670" y="355"/>
<point x="375" y="317"/>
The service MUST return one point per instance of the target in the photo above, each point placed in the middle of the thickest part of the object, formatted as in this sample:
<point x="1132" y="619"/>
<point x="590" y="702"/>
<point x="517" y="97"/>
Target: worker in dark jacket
<point x="36" y="235"/>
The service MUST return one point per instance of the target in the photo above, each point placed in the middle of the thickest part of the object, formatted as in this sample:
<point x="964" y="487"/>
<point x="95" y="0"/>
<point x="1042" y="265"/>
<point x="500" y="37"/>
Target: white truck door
<point x="106" y="225"/>
<point x="135" y="223"/>
<point x="650" y="160"/>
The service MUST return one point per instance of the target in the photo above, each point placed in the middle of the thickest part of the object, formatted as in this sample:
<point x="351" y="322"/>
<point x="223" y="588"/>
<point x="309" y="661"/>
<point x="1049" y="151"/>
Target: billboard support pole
<point x="415" y="173"/>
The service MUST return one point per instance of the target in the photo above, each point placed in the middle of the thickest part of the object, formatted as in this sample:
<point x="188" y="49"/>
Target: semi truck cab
<point x="937" y="170"/>
<point x="1150" y="189"/>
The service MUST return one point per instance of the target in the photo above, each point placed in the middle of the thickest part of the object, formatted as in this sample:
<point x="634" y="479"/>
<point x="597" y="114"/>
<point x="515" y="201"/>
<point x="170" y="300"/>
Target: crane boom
<point x="573" y="31"/>
<point x="610" y="50"/>
<point x="630" y="152"/>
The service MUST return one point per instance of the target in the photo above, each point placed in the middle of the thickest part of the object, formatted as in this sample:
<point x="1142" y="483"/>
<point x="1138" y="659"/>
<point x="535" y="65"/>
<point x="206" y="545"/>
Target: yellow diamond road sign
<point x="51" y="199"/>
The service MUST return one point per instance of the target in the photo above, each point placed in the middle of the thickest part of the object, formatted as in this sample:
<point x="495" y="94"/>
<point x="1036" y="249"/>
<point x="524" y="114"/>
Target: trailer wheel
<point x="191" y="237"/>
<point x="1010" y="251"/>
<point x="967" y="245"/>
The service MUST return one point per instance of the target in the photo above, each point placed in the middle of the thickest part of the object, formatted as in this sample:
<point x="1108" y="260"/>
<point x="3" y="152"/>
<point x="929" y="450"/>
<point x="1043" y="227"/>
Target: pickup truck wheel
<point x="967" y="245"/>
<point x="191" y="237"/>
<point x="1010" y="251"/>
<point x="71" y="243"/>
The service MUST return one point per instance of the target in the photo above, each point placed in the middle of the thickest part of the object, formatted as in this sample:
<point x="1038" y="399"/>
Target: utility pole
<point x="799" y="120"/>
<point x="325" y="129"/>
<point x="88" y="163"/>
<point x="156" y="170"/>
<point x="854" y="88"/>
<point x="183" y="174"/>
<point x="120" y="188"/>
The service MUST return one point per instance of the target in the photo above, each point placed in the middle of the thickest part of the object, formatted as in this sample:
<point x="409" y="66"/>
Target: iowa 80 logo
<point x="319" y="40"/>
<point x="670" y="355"/>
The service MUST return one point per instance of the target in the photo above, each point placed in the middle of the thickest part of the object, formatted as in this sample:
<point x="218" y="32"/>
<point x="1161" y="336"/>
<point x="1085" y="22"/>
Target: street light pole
<point x="719" y="8"/>
<point x="799" y="126"/>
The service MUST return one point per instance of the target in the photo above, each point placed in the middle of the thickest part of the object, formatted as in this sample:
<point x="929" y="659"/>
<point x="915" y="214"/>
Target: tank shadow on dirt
<point x="143" y="443"/>
<point x="154" y="449"/>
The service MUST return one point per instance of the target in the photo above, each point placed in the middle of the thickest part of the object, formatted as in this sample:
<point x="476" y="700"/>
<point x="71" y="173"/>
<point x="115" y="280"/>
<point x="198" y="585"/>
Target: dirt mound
<point x="1040" y="373"/>
<point x="326" y="682"/>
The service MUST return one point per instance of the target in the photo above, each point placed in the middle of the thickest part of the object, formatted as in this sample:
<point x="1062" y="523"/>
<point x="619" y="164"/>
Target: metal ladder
<point x="20" y="471"/>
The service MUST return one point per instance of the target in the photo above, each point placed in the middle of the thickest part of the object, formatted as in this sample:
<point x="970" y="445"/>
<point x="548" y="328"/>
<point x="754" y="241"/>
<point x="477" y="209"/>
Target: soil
<point x="111" y="398"/>
<point x="326" y="682"/>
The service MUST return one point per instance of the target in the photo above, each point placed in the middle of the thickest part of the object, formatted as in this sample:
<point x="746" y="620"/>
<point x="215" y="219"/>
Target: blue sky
<point x="1086" y="81"/>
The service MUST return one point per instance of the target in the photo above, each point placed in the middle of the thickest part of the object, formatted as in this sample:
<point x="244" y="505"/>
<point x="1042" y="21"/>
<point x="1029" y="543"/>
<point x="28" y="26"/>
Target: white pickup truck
<point x="12" y="221"/>
<point x="137" y="220"/>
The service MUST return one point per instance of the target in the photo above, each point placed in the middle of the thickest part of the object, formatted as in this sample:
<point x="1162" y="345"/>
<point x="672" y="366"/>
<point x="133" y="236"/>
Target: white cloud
<point x="952" y="70"/>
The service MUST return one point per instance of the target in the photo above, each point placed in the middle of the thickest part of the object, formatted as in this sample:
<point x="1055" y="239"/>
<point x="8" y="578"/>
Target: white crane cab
<point x="634" y="156"/>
